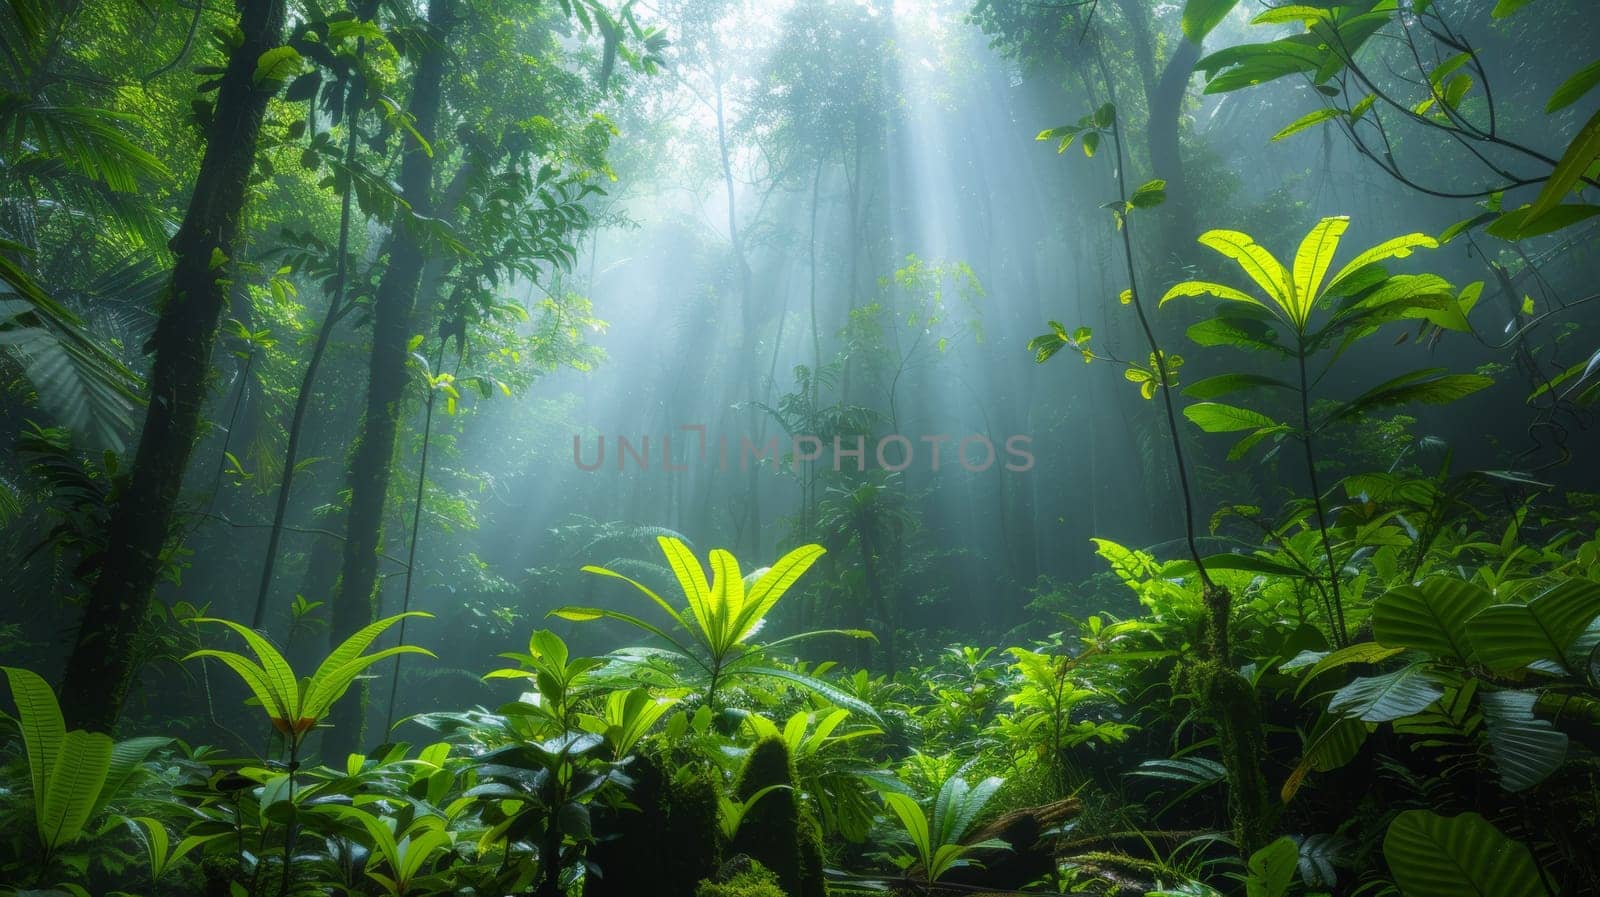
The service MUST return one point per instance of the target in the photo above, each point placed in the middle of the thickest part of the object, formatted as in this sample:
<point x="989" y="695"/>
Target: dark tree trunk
<point x="101" y="667"/>
<point x="1164" y="95"/>
<point x="355" y="598"/>
<point x="749" y="365"/>
<point x="1166" y="157"/>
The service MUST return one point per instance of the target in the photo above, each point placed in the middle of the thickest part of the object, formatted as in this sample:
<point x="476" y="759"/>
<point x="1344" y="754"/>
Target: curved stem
<point x="1149" y="333"/>
<point x="308" y="379"/>
<point x="1340" y="636"/>
<point x="416" y="523"/>
<point x="227" y="439"/>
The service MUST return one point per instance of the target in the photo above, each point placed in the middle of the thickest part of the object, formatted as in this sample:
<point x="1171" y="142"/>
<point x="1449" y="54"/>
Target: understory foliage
<point x="1466" y="706"/>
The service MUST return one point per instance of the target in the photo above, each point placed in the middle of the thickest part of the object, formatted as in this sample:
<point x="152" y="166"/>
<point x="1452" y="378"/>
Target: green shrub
<point x="770" y="832"/>
<point x="753" y="880"/>
<point x="665" y="846"/>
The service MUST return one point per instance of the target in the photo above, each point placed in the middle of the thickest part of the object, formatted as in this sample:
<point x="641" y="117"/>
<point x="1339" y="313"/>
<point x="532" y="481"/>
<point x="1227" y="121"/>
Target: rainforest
<point x="799" y="448"/>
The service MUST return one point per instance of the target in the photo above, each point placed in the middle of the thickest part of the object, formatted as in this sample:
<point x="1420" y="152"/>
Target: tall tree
<point x="101" y="666"/>
<point x="353" y="80"/>
<point x="371" y="460"/>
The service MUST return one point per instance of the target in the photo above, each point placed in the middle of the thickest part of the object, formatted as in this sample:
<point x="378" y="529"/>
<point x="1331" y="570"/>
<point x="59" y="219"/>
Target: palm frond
<point x="77" y="380"/>
<point x="86" y="139"/>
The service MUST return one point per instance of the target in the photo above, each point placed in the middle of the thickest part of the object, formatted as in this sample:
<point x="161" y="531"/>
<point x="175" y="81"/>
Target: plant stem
<point x="227" y="439"/>
<point x="288" y="832"/>
<point x="308" y="378"/>
<point x="416" y="522"/>
<point x="1149" y="332"/>
<point x="1225" y="695"/>
<point x="1340" y="636"/>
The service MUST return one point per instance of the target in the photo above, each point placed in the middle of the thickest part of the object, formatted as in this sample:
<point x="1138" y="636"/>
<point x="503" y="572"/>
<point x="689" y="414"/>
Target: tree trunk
<point x="355" y="598"/>
<point x="749" y="366"/>
<point x="1163" y="95"/>
<point x="1166" y="158"/>
<point x="101" y="668"/>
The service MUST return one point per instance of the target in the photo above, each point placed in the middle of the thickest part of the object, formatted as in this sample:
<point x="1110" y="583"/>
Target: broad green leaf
<point x="1429" y="387"/>
<point x="544" y="645"/>
<point x="772" y="585"/>
<point x="1335" y="743"/>
<point x="691" y="579"/>
<point x="325" y="690"/>
<point x="73" y="787"/>
<point x="817" y="686"/>
<point x="630" y="715"/>
<point x="1430" y="617"/>
<point x="1240" y="333"/>
<point x="1243" y="446"/>
<point x="727" y="599"/>
<point x="1309" y="120"/>
<point x="1224" y="384"/>
<point x="1387" y="697"/>
<point x="1526" y="748"/>
<point x="1580" y="154"/>
<point x="912" y="819"/>
<point x="1249" y="563"/>
<point x="1457" y="856"/>
<point x="43" y="730"/>
<point x="276" y="673"/>
<point x="1398" y="293"/>
<point x="1201" y="16"/>
<point x="1149" y="195"/>
<point x="1312" y="260"/>
<point x="252" y="676"/>
<point x="1464" y="225"/>
<point x="964" y="813"/>
<point x="1519" y="224"/>
<point x="1443" y="69"/>
<point x="126" y="757"/>
<point x="1256" y="262"/>
<point x="1271" y="869"/>
<point x="1398" y="247"/>
<point x="1215" y="417"/>
<point x="1504" y="8"/>
<point x="383" y="839"/>
<point x="157" y="840"/>
<point x="1045" y="346"/>
<point x="1349" y="35"/>
<point x="1203" y="288"/>
<point x="1266" y="62"/>
<point x="1293" y="12"/>
<point x="1300" y="50"/>
<point x="1454" y="315"/>
<point x="352" y="647"/>
<point x="276" y="66"/>
<point x="1573" y="89"/>
<point x="1507" y="638"/>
